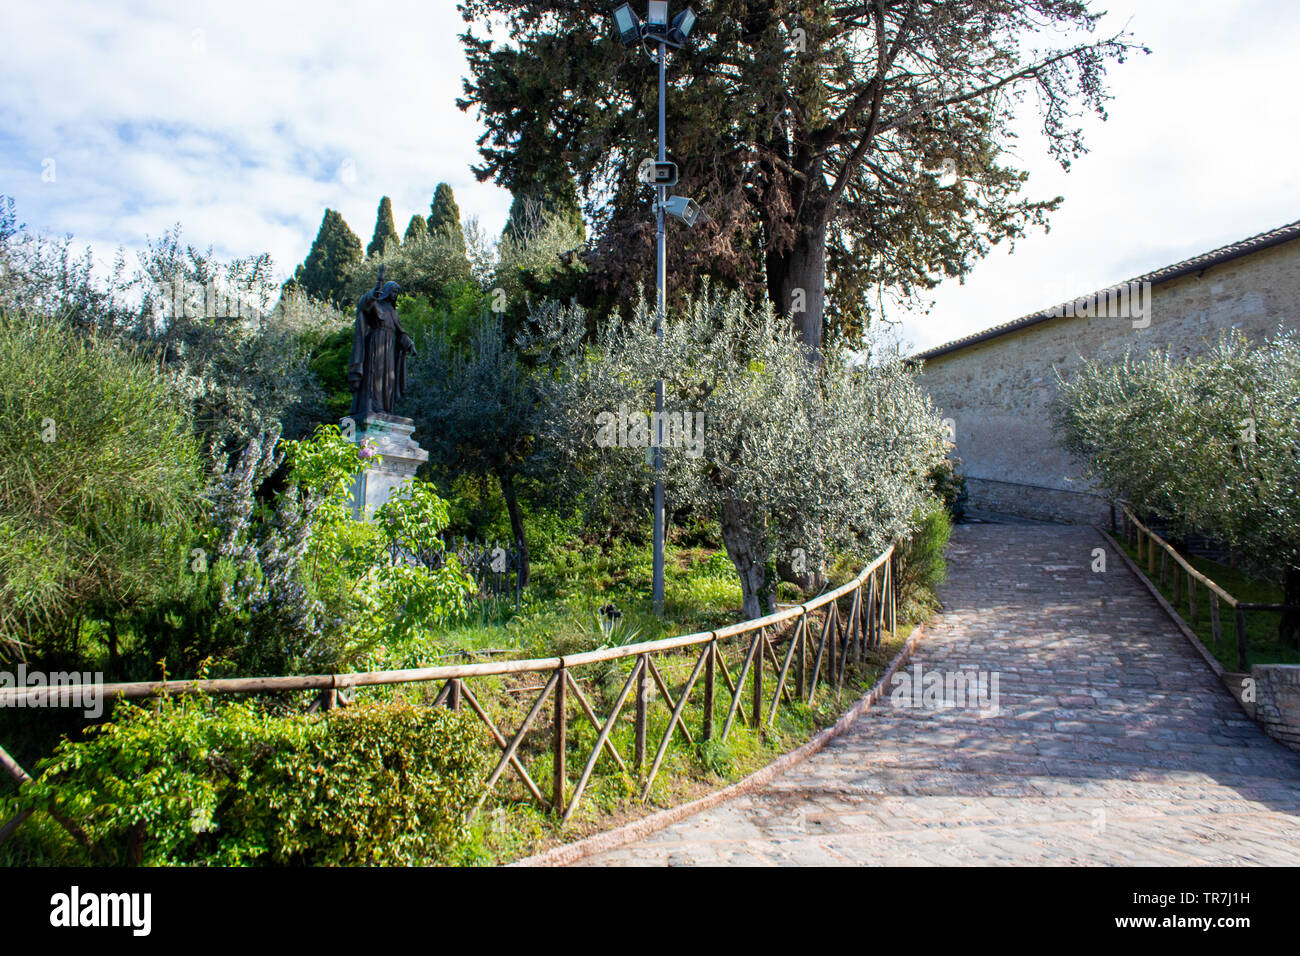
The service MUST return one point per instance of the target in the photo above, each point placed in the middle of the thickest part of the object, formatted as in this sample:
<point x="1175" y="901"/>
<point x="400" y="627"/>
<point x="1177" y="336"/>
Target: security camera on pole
<point x="660" y="174"/>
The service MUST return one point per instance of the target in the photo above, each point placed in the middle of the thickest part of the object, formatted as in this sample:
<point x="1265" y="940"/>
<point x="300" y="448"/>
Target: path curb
<point x="1167" y="607"/>
<point x="570" y="853"/>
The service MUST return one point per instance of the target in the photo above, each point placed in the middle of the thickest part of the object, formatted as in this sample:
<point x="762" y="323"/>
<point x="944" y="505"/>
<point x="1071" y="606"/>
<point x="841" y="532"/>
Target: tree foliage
<point x="335" y="250"/>
<point x="385" y="229"/>
<point x="99" y="480"/>
<point x="416" y="230"/>
<point x="477" y="408"/>
<point x="1211" y="444"/>
<point x="814" y="134"/>
<point x="791" y="455"/>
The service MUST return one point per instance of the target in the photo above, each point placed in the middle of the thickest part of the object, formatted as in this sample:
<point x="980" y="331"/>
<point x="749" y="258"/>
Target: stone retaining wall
<point x="1277" y="701"/>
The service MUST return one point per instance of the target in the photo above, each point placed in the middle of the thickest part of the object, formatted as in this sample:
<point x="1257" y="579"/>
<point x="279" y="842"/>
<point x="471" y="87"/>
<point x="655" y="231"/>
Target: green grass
<point x="1262" y="646"/>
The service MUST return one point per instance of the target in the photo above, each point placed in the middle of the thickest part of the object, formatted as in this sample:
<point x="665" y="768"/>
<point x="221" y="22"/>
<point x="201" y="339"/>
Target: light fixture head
<point x="657" y="16"/>
<point x="627" y="24"/>
<point x="683" y="23"/>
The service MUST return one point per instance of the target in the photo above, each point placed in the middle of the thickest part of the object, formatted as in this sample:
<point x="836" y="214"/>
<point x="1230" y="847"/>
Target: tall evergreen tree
<point x="841" y="147"/>
<point x="336" y="249"/>
<point x="444" y="215"/>
<point x="385" y="229"/>
<point x="416" y="230"/>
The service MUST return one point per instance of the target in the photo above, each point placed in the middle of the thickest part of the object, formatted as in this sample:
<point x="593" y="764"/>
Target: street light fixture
<point x="657" y="16"/>
<point x="660" y="174"/>
<point x="683" y="23"/>
<point x="627" y="23"/>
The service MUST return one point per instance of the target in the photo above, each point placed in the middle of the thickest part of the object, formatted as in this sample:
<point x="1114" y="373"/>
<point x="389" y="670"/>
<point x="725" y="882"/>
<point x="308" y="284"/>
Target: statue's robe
<point x="377" y="369"/>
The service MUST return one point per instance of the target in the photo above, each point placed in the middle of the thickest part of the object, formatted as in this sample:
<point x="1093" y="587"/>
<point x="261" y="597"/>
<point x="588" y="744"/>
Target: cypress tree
<point x="416" y="230"/>
<point x="444" y="215"/>
<point x="336" y="249"/>
<point x="385" y="229"/>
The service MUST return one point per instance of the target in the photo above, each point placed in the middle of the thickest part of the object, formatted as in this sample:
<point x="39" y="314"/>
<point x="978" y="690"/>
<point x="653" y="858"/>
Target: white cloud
<point x="234" y="119"/>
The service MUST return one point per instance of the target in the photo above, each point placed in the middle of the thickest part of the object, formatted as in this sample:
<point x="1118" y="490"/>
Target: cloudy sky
<point x="243" y="121"/>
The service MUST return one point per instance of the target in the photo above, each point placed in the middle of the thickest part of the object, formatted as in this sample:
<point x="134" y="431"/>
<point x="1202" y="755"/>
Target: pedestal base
<point x="401" y="455"/>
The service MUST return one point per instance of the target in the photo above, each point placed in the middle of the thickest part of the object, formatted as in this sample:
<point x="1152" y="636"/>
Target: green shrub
<point x="196" y="782"/>
<point x="99" y="480"/>
<point x="949" y="484"/>
<point x="921" y="567"/>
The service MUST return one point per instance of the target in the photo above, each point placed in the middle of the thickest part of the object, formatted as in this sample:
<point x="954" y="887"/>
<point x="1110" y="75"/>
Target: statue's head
<point x="389" y="292"/>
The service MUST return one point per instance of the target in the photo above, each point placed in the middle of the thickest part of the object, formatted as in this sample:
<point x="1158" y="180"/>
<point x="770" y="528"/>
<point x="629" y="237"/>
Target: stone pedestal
<point x="390" y="436"/>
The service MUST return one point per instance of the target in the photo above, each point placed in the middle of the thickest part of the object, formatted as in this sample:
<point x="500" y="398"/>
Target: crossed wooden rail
<point x="1137" y="533"/>
<point x="824" y="645"/>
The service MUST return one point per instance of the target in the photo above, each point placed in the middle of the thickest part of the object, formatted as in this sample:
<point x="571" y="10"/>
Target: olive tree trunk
<point x="737" y="538"/>
<point x="516" y="523"/>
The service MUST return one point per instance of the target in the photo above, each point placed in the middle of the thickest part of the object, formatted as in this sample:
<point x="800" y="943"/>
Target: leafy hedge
<point x="191" y="781"/>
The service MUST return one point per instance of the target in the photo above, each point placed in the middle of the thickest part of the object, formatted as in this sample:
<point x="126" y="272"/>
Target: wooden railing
<point x="815" y="644"/>
<point x="1184" y="574"/>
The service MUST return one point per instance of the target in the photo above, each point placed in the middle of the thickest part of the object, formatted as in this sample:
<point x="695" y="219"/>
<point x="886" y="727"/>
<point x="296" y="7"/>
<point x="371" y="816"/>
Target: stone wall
<point x="998" y="392"/>
<point x="1277" y="701"/>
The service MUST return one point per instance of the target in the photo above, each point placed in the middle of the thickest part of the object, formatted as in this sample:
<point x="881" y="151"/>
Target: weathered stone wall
<point x="997" y="393"/>
<point x="1277" y="701"/>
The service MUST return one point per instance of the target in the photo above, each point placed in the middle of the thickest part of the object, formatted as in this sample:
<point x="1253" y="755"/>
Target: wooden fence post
<point x="1215" y="626"/>
<point x="893" y="602"/>
<point x="1241" y="639"/>
<point x="1191" y="598"/>
<point x="758" y="679"/>
<point x="559" y="739"/>
<point x="710" y="666"/>
<point x="801" y="635"/>
<point x="453" y="698"/>
<point x="642" y="690"/>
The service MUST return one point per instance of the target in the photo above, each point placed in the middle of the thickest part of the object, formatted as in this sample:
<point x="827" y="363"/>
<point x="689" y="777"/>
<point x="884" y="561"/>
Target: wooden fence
<point x="1147" y="542"/>
<point x="805" y="645"/>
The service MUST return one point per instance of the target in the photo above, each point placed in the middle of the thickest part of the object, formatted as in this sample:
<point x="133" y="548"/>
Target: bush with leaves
<point x="247" y="603"/>
<point x="1210" y="444"/>
<point x="191" y="781"/>
<point x="99" y="481"/>
<point x="364" y="569"/>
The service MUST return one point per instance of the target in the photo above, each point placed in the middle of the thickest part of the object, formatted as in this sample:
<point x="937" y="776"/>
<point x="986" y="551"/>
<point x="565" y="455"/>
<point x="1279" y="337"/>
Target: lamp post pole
<point x="632" y="31"/>
<point x="661" y="311"/>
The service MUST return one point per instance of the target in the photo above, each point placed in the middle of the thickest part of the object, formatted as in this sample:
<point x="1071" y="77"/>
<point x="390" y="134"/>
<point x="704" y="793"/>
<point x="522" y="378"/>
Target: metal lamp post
<point x="661" y="174"/>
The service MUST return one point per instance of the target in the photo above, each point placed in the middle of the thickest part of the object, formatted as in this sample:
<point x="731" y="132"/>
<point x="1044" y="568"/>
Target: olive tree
<point x="1210" y="444"/>
<point x="790" y="456"/>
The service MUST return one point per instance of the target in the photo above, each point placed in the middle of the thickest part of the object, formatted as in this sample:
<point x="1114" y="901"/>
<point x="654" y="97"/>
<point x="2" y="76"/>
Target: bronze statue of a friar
<point x="377" y="369"/>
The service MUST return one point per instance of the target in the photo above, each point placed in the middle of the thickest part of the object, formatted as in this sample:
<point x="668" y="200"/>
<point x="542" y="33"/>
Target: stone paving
<point x="1112" y="743"/>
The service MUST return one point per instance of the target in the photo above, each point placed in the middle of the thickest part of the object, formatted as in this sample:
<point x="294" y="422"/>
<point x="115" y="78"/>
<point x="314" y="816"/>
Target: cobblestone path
<point x="1113" y="743"/>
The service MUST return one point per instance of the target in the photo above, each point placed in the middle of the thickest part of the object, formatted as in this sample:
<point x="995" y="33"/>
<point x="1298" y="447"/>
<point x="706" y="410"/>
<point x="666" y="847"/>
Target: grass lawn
<point x="1262" y="645"/>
